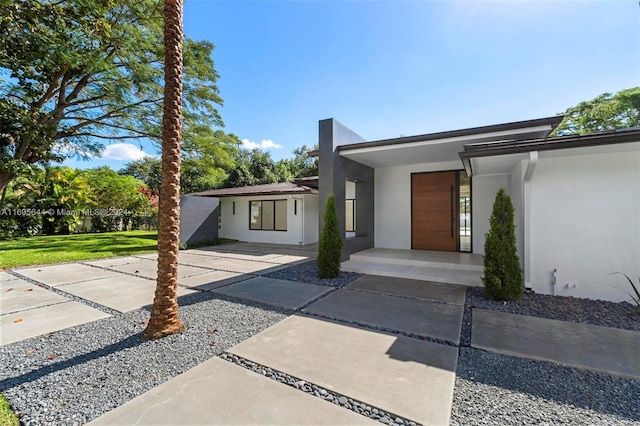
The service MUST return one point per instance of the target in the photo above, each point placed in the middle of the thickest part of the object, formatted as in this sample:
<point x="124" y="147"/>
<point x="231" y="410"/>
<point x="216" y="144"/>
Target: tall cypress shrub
<point x="502" y="272"/>
<point x="330" y="245"/>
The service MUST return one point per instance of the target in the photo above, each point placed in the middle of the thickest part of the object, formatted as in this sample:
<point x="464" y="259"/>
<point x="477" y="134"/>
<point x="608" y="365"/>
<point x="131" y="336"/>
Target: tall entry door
<point x="434" y="223"/>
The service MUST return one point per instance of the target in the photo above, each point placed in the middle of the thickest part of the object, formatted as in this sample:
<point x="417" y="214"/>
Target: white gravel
<point x="73" y="376"/>
<point x="494" y="389"/>
<point x="307" y="272"/>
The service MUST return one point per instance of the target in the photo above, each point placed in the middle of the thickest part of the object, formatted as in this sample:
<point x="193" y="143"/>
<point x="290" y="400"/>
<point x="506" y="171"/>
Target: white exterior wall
<point x="392" y="200"/>
<point x="483" y="194"/>
<point x="310" y="219"/>
<point x="585" y="221"/>
<point x="237" y="226"/>
<point x="517" y="198"/>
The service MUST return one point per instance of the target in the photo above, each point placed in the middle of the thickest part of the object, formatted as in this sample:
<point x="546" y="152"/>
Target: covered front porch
<point x="413" y="192"/>
<point x="427" y="265"/>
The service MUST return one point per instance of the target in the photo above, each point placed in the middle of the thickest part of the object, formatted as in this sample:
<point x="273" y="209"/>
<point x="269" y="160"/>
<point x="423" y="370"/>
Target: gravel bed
<point x="563" y="308"/>
<point x="320" y="392"/>
<point x="74" y="375"/>
<point x="307" y="272"/>
<point x="494" y="389"/>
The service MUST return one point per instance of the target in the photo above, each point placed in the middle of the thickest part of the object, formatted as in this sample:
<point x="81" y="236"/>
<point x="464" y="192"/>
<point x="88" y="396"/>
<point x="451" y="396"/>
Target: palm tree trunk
<point x="164" y="319"/>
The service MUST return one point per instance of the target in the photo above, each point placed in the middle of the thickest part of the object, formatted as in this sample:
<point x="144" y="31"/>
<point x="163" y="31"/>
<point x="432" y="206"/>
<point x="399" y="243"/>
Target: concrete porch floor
<point x="436" y="266"/>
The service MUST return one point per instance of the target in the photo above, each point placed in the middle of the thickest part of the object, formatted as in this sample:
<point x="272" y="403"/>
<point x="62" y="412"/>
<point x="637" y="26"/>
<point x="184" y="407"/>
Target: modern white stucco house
<point x="576" y="198"/>
<point x="279" y="213"/>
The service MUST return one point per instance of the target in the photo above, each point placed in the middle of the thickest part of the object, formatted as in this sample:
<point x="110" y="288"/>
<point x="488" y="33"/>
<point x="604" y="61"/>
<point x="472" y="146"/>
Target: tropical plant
<point x="59" y="195"/>
<point x="330" y="244"/>
<point x="164" y="319"/>
<point x="636" y="290"/>
<point x="502" y="277"/>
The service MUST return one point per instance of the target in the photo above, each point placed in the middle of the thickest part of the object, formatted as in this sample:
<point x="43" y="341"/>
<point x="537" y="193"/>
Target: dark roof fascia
<point x="255" y="193"/>
<point x="311" y="181"/>
<point x="552" y="121"/>
<point x="303" y="190"/>
<point x="548" y="144"/>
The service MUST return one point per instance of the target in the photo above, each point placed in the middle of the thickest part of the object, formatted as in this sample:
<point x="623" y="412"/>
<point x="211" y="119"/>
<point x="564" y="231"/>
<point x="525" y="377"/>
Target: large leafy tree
<point x="76" y="74"/>
<point x="302" y="165"/>
<point x="255" y="167"/>
<point x="122" y="197"/>
<point x="164" y="319"/>
<point x="147" y="169"/>
<point x="605" y="112"/>
<point x="197" y="173"/>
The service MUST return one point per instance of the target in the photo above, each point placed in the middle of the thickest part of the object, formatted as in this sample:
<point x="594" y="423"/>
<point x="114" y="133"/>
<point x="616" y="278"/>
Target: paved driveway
<point x="383" y="347"/>
<point x="39" y="300"/>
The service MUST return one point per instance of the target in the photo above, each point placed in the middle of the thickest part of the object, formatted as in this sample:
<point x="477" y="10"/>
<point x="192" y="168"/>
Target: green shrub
<point x="502" y="273"/>
<point x="330" y="245"/>
<point x="12" y="227"/>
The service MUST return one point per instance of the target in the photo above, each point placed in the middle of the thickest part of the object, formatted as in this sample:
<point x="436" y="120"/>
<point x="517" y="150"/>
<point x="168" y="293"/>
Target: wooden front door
<point x="434" y="224"/>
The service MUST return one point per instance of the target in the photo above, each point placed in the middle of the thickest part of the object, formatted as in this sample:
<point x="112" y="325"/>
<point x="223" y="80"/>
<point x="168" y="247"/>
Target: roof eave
<point x="548" y="144"/>
<point x="553" y="122"/>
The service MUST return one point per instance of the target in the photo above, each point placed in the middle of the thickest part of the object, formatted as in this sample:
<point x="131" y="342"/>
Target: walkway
<point x="379" y="348"/>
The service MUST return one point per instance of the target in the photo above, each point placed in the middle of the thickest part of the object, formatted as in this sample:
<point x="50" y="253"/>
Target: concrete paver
<point x="123" y="293"/>
<point x="422" y="317"/>
<point x="212" y="279"/>
<point x="109" y="263"/>
<point x="449" y="293"/>
<point x="4" y="277"/>
<point x="407" y="377"/>
<point x="257" y="257"/>
<point x="64" y="274"/>
<point x="18" y="295"/>
<point x="587" y="346"/>
<point x="149" y="269"/>
<point x="187" y="258"/>
<point x="217" y="392"/>
<point x="288" y="259"/>
<point x="36" y="322"/>
<point x="242" y="266"/>
<point x="286" y="294"/>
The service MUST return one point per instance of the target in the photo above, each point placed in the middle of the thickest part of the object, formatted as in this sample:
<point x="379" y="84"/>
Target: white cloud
<point x="265" y="144"/>
<point x="123" y="152"/>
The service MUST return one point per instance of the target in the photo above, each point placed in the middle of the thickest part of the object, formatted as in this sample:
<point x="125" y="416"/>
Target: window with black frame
<point x="268" y="215"/>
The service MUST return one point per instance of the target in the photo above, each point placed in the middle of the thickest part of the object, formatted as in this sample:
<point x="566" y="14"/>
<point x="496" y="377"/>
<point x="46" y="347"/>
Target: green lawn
<point x="42" y="250"/>
<point x="7" y="418"/>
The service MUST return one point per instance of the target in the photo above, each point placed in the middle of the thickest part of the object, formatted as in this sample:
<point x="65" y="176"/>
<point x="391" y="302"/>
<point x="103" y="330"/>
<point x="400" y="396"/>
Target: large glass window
<point x="350" y="215"/>
<point x="268" y="215"/>
<point x="281" y="215"/>
<point x="464" y="207"/>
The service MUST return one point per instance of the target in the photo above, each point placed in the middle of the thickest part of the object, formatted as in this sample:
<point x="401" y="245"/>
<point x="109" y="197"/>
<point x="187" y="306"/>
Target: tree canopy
<point x="255" y="167"/>
<point x="76" y="74"/>
<point x="608" y="111"/>
<point x="197" y="173"/>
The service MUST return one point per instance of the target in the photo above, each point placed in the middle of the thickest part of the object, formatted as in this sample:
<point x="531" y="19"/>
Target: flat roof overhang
<point x="443" y="146"/>
<point x="502" y="157"/>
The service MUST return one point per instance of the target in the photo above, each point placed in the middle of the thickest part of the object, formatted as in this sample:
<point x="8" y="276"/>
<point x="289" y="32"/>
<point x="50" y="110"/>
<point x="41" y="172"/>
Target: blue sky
<point x="395" y="68"/>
